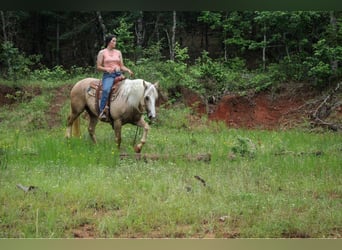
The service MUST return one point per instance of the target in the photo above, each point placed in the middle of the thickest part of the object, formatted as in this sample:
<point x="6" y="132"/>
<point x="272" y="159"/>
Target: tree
<point x="102" y="25"/>
<point x="172" y="40"/>
<point x="125" y="36"/>
<point x="140" y="34"/>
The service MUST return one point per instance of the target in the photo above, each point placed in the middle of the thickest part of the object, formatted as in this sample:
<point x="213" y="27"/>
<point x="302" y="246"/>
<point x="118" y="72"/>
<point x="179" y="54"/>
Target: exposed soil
<point x="60" y="94"/>
<point x="6" y="94"/>
<point x="11" y="95"/>
<point x="287" y="107"/>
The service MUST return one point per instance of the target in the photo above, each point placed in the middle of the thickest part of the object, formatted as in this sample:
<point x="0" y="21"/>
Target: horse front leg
<point x="146" y="127"/>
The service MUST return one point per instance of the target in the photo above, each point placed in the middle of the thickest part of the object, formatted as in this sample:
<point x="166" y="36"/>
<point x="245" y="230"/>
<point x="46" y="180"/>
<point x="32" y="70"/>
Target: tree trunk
<point x="102" y="25"/>
<point x="3" y="25"/>
<point x="57" y="42"/>
<point x="333" y="23"/>
<point x="156" y="29"/>
<point x="140" y="34"/>
<point x="206" y="38"/>
<point x="264" y="50"/>
<point x="286" y="47"/>
<point x="173" y="39"/>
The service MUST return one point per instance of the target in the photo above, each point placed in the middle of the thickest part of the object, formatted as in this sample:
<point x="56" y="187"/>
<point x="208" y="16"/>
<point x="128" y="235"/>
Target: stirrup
<point x="103" y="116"/>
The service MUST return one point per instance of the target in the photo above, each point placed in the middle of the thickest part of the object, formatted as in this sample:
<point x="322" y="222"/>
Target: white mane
<point x="132" y="91"/>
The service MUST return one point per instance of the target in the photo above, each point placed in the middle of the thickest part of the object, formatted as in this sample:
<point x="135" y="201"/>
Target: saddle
<point x="95" y="89"/>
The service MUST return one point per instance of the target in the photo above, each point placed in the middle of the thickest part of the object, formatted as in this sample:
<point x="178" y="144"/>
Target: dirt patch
<point x="61" y="94"/>
<point x="11" y="95"/>
<point x="6" y="95"/>
<point x="84" y="231"/>
<point x="193" y="100"/>
<point x="259" y="111"/>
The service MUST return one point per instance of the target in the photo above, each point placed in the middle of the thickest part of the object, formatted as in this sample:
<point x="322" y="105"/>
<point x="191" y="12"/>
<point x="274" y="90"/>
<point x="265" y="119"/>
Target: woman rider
<point x="110" y="62"/>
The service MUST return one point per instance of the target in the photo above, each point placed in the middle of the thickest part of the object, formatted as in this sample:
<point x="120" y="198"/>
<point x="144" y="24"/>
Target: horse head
<point x="150" y="98"/>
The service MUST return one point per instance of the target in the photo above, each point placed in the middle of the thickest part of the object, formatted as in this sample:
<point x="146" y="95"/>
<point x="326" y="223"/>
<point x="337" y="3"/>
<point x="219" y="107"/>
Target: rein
<point x="136" y="134"/>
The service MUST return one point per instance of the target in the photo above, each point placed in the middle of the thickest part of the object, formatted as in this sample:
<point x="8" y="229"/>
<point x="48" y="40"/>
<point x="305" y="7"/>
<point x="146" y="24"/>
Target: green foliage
<point x="169" y="73"/>
<point x="210" y="73"/>
<point x="236" y="28"/>
<point x="244" y="147"/>
<point x="177" y="70"/>
<point x="125" y="37"/>
<point x="236" y="64"/>
<point x="259" y="82"/>
<point x="58" y="73"/>
<point x="21" y="68"/>
<point x="288" y="69"/>
<point x="45" y="74"/>
<point x="153" y="52"/>
<point x="207" y="76"/>
<point x="211" y="18"/>
<point x="319" y="65"/>
<point x="209" y="68"/>
<point x="16" y="64"/>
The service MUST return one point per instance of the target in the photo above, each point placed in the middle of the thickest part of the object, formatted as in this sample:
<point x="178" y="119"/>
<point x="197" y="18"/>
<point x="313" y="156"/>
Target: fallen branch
<point x="323" y="111"/>
<point x="200" y="179"/>
<point x="314" y="153"/>
<point x="331" y="126"/>
<point x="206" y="157"/>
<point x="26" y="189"/>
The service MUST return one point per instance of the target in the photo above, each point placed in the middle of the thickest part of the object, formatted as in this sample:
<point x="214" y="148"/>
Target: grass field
<point x="257" y="184"/>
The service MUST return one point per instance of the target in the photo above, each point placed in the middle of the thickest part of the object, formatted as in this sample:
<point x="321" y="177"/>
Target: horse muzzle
<point x="151" y="116"/>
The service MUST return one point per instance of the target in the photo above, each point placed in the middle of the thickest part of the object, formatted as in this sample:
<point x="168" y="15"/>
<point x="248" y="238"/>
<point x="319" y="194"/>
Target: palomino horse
<point x="132" y="98"/>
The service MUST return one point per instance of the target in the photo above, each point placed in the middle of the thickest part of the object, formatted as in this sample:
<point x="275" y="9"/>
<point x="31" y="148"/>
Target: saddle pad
<point x="93" y="88"/>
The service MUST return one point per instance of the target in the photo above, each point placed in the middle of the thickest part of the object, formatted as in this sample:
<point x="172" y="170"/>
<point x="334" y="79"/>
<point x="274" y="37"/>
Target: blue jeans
<point x="107" y="83"/>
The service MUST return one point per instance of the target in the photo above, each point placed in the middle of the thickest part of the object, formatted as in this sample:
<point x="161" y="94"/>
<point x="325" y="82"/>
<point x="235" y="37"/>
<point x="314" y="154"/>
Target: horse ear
<point x="144" y="84"/>
<point x="156" y="85"/>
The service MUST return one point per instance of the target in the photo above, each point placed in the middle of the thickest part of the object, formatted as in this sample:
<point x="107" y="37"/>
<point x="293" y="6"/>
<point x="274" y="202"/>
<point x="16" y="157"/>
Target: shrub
<point x="16" y="64"/>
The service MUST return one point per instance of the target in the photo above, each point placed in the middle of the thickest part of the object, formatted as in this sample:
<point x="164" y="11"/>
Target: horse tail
<point x="76" y="130"/>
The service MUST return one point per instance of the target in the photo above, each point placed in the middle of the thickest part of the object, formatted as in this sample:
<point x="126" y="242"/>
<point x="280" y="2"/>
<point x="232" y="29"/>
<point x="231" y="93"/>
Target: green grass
<point x="258" y="183"/>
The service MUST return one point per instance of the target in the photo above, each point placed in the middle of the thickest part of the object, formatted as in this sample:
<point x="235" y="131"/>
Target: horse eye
<point x="147" y="98"/>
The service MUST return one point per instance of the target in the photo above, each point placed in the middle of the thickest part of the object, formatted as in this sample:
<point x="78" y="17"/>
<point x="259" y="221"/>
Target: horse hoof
<point x="137" y="149"/>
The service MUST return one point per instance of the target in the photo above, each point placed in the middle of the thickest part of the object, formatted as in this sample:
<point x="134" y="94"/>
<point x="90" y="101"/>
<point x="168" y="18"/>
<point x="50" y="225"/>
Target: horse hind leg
<point x="91" y="127"/>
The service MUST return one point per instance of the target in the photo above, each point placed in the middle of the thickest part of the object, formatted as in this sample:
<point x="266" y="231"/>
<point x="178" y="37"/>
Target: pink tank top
<point x="111" y="58"/>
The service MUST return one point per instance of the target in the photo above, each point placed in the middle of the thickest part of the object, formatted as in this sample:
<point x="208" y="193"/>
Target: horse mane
<point x="132" y="91"/>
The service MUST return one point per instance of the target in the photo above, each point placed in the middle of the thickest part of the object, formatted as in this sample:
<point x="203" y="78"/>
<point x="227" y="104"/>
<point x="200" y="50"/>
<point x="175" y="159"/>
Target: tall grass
<point x="258" y="183"/>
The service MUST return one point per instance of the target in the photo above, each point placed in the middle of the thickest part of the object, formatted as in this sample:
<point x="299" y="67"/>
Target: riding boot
<point x="104" y="114"/>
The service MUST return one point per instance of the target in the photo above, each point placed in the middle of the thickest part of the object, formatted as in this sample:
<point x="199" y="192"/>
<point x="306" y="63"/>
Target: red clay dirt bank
<point x="286" y="108"/>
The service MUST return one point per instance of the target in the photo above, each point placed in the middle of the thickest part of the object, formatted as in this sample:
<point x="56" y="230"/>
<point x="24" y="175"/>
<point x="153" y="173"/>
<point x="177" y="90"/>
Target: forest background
<point x="271" y="47"/>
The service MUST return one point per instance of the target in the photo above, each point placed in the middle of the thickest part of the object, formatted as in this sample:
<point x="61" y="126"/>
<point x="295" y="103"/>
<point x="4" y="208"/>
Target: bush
<point x="288" y="69"/>
<point x="16" y="65"/>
